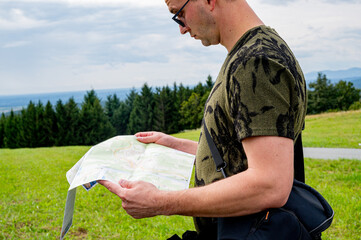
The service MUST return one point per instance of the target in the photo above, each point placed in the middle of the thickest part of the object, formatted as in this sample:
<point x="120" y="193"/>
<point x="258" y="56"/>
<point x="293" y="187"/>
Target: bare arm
<point x="180" y="144"/>
<point x="265" y="184"/>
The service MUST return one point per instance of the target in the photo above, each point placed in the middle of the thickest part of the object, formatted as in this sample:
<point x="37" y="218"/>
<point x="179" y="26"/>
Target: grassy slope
<point x="330" y="130"/>
<point x="34" y="190"/>
<point x="340" y="130"/>
<point x="33" y="197"/>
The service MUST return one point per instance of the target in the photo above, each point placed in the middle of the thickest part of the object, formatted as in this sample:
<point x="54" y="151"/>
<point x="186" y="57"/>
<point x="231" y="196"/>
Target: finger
<point x="113" y="187"/>
<point x="143" y="134"/>
<point x="126" y="184"/>
<point x="150" y="138"/>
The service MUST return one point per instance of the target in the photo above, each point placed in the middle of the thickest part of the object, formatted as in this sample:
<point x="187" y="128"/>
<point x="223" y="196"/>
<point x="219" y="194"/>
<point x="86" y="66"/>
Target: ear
<point x="212" y="4"/>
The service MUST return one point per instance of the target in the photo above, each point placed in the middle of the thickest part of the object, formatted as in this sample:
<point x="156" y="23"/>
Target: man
<point x="254" y="113"/>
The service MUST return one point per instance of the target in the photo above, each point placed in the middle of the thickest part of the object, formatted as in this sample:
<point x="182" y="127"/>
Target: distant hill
<point x="350" y="75"/>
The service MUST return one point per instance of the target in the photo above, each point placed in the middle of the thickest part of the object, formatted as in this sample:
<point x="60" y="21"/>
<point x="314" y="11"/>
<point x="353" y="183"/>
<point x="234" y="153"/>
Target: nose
<point x="183" y="30"/>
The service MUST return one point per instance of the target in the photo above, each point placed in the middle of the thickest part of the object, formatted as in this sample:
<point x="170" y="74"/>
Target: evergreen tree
<point x="41" y="136"/>
<point x="111" y="105"/>
<point x="11" y="131"/>
<point x="142" y="114"/>
<point x="121" y="115"/>
<point x="94" y="124"/>
<point x="209" y="83"/>
<point x="199" y="89"/>
<point x="174" y="114"/>
<point x="72" y="115"/>
<point x="2" y="130"/>
<point x="49" y="124"/>
<point x="29" y="129"/>
<point x="61" y="127"/>
<point x="136" y="122"/>
<point x="164" y="106"/>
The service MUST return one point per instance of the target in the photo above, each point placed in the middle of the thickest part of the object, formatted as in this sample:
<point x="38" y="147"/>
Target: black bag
<point x="305" y="215"/>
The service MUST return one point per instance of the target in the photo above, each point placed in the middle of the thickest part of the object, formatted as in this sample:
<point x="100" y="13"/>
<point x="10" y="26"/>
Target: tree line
<point x="323" y="96"/>
<point x="166" y="109"/>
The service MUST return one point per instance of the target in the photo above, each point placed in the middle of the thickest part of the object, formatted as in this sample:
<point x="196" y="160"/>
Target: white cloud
<point x="63" y="45"/>
<point x="322" y="34"/>
<point x="16" y="44"/>
<point x="95" y="3"/>
<point x="16" y="20"/>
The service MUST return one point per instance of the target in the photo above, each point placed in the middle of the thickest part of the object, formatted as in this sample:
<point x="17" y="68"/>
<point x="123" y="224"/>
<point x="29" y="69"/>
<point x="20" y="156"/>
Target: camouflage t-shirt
<point x="260" y="91"/>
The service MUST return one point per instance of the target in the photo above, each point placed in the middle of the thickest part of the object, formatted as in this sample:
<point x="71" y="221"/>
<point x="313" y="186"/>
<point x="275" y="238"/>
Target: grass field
<point x="334" y="130"/>
<point x="329" y="130"/>
<point x="34" y="190"/>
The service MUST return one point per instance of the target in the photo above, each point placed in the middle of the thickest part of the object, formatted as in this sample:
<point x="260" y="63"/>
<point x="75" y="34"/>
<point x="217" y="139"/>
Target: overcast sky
<point x="68" y="45"/>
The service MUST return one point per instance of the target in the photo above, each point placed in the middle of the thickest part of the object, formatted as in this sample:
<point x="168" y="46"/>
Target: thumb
<point x="125" y="184"/>
<point x="113" y="187"/>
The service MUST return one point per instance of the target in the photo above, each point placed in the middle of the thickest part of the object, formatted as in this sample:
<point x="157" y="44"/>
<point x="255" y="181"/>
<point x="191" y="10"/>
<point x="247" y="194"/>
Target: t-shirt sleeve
<point x="260" y="95"/>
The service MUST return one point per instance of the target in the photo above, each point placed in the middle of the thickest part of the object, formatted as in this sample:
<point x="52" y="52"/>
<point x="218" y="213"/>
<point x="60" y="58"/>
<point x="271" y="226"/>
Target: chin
<point x="206" y="43"/>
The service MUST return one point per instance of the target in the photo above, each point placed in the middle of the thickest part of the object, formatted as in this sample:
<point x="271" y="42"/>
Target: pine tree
<point x="2" y="130"/>
<point x="121" y="115"/>
<point x="11" y="131"/>
<point x="49" y="125"/>
<point x="41" y="136"/>
<point x="142" y="114"/>
<point x="61" y="127"/>
<point x="174" y="115"/>
<point x="136" y="123"/>
<point x="111" y="105"/>
<point x="29" y="129"/>
<point x="72" y="115"/>
<point x="162" y="110"/>
<point x="94" y="124"/>
<point x="209" y="83"/>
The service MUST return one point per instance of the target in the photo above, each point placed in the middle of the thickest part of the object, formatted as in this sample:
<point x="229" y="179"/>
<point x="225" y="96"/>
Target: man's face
<point x="196" y="19"/>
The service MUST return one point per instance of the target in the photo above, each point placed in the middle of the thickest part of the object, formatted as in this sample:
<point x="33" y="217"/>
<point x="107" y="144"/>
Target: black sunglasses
<point x="176" y="15"/>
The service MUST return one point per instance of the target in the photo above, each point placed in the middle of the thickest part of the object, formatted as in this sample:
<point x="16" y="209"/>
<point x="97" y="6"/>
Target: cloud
<point x="94" y="3"/>
<point x="16" y="19"/>
<point x="322" y="34"/>
<point x="16" y="44"/>
<point x="63" y="45"/>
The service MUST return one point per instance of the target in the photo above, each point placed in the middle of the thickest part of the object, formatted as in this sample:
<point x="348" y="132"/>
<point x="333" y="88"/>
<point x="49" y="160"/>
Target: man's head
<point x="214" y="21"/>
<point x="197" y="18"/>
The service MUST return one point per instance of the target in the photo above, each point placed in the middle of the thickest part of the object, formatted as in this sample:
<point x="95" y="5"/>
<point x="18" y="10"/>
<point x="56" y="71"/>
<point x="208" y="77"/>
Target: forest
<point x="166" y="109"/>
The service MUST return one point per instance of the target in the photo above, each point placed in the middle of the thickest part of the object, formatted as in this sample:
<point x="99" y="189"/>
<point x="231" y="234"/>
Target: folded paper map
<point x="124" y="157"/>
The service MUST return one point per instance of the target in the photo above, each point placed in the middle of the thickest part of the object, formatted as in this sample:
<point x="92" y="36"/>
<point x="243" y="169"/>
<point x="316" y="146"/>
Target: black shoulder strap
<point x="299" y="169"/>
<point x="218" y="160"/>
<point x="299" y="164"/>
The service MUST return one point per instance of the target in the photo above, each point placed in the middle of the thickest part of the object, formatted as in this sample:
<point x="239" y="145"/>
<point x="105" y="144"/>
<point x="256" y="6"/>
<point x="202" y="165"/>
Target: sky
<point x="71" y="45"/>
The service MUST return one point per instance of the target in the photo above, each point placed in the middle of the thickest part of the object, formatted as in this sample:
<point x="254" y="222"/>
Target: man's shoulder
<point x="260" y="42"/>
<point x="261" y="48"/>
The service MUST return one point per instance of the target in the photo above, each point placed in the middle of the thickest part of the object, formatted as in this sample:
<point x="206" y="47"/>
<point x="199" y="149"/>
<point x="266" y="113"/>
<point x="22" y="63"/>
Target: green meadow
<point x="34" y="190"/>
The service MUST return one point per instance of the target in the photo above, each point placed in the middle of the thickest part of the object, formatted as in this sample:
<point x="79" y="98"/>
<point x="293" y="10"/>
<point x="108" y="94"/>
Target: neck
<point x="236" y="18"/>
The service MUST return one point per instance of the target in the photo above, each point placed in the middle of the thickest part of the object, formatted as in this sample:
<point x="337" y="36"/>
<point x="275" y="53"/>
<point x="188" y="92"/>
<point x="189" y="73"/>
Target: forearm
<point x="185" y="145"/>
<point x="241" y="194"/>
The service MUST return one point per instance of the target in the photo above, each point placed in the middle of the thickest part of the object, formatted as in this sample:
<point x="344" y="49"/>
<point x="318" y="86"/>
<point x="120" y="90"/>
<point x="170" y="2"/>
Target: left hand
<point x="139" y="199"/>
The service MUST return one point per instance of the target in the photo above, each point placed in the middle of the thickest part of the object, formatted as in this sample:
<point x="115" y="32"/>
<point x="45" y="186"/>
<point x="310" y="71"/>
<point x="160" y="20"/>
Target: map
<point x="124" y="157"/>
